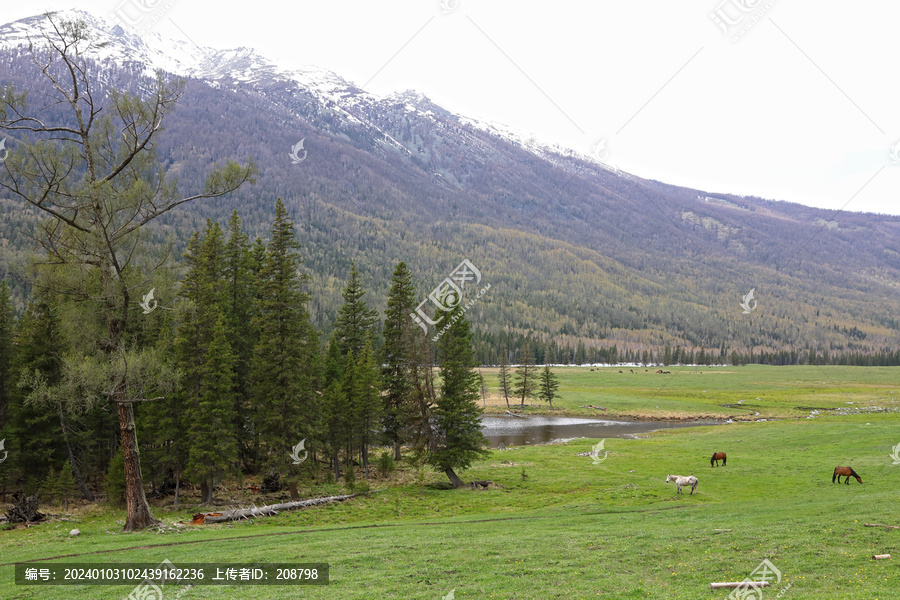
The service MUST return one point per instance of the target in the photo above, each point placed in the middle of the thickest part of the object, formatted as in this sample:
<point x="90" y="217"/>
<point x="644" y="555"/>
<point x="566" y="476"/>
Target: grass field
<point x="559" y="526"/>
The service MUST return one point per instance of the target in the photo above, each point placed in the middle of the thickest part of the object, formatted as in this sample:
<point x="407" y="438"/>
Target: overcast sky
<point x="783" y="99"/>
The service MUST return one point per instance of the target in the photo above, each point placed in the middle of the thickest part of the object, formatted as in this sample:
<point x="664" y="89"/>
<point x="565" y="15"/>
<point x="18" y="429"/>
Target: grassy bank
<point x="747" y="393"/>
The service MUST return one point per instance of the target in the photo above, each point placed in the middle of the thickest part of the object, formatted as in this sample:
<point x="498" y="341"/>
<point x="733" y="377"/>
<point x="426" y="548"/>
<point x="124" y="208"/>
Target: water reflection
<point x="518" y="431"/>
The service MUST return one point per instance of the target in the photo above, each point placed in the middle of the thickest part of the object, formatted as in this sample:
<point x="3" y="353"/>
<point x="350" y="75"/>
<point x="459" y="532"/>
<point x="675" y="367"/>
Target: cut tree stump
<point x="267" y="511"/>
<point x="25" y="511"/>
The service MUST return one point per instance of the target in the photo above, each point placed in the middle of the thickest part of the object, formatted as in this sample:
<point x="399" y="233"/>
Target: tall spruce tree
<point x="33" y="436"/>
<point x="354" y="329"/>
<point x="7" y="333"/>
<point x="548" y="385"/>
<point x="284" y="366"/>
<point x="335" y="416"/>
<point x="503" y="375"/>
<point x="355" y="322"/>
<point x="212" y="453"/>
<point x="239" y="278"/>
<point x="365" y="403"/>
<point x="525" y="380"/>
<point x="457" y="416"/>
<point x="396" y="372"/>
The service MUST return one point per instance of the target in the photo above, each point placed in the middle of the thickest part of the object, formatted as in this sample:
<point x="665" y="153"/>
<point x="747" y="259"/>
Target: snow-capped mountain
<point x="245" y="66"/>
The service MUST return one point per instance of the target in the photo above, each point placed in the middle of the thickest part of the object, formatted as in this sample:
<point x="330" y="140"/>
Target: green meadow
<point x="558" y="525"/>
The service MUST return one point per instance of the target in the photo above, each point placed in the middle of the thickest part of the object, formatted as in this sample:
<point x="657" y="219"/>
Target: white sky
<point x="803" y="106"/>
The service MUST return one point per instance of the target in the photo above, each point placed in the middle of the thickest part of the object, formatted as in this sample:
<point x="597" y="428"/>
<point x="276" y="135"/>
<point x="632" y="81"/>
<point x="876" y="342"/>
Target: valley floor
<point x="558" y="525"/>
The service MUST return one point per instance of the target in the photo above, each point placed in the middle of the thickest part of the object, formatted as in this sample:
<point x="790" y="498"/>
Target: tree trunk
<point x="365" y="459"/>
<point x="138" y="515"/>
<point x="75" y="470"/>
<point x="454" y="478"/>
<point x="336" y="465"/>
<point x="177" y="485"/>
<point x="205" y="493"/>
<point x="294" y="495"/>
<point x="397" y="450"/>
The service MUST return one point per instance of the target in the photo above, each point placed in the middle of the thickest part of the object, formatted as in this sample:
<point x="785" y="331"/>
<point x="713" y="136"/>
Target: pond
<point x="519" y="431"/>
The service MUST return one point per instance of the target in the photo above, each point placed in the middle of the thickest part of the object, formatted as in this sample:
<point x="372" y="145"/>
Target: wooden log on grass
<point x="885" y="526"/>
<point x="739" y="584"/>
<point x="880" y="556"/>
<point x="266" y="511"/>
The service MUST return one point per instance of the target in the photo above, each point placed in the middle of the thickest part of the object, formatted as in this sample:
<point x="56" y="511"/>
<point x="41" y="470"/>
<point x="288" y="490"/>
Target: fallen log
<point x="885" y="526"/>
<point x="880" y="556"/>
<point x="515" y="415"/>
<point x="739" y="584"/>
<point x="267" y="511"/>
<point x="591" y="406"/>
<point x="717" y="531"/>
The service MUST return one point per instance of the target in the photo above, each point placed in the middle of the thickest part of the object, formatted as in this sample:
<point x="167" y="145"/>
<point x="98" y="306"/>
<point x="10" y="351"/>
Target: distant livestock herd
<point x="692" y="481"/>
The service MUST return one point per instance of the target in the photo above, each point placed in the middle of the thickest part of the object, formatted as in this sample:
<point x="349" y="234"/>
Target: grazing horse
<point x="716" y="457"/>
<point x="847" y="472"/>
<point x="680" y="481"/>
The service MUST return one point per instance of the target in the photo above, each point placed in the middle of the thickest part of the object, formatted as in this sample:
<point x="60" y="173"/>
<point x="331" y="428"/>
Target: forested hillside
<point x="575" y="253"/>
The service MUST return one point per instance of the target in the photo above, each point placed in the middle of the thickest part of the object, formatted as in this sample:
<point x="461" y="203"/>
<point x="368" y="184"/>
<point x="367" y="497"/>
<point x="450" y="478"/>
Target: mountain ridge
<point x="651" y="263"/>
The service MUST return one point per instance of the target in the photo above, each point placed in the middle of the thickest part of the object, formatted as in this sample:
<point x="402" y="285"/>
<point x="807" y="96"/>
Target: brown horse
<point x="847" y="472"/>
<point x="716" y="458"/>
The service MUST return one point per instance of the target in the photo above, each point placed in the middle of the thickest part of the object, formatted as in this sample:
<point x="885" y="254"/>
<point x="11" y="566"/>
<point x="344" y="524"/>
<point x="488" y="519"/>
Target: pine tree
<point x="353" y="331"/>
<point x="239" y="280"/>
<point x="524" y="383"/>
<point x="356" y="321"/>
<point x="203" y="352"/>
<point x="548" y="386"/>
<point x="396" y="375"/>
<point x="7" y="333"/>
<point x="503" y="375"/>
<point x="284" y="366"/>
<point x="33" y="431"/>
<point x="457" y="416"/>
<point x="65" y="484"/>
<point x="365" y="402"/>
<point x="213" y="448"/>
<point x="334" y="406"/>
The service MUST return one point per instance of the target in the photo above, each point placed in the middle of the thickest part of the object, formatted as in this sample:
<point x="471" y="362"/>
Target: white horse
<point x="680" y="481"/>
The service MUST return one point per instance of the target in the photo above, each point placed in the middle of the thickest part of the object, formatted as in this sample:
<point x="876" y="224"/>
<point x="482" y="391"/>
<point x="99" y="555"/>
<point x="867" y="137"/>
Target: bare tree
<point x="94" y="174"/>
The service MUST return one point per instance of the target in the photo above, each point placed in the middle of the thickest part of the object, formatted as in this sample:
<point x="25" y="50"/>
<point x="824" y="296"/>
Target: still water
<point x="515" y="431"/>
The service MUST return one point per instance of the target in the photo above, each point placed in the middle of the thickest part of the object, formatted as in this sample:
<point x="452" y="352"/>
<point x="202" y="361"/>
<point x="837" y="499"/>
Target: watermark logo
<point x="450" y="596"/>
<point x="141" y="14"/>
<point x="751" y="589"/>
<point x="296" y="159"/>
<point x="448" y="295"/>
<point x="5" y="452"/>
<point x="3" y="150"/>
<point x="746" y="304"/>
<point x="895" y="455"/>
<point x="596" y="450"/>
<point x="736" y="17"/>
<point x="148" y="298"/>
<point x="296" y="452"/>
<point x="448" y="6"/>
<point x="149" y="590"/>
<point x="600" y="151"/>
<point x="894" y="154"/>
